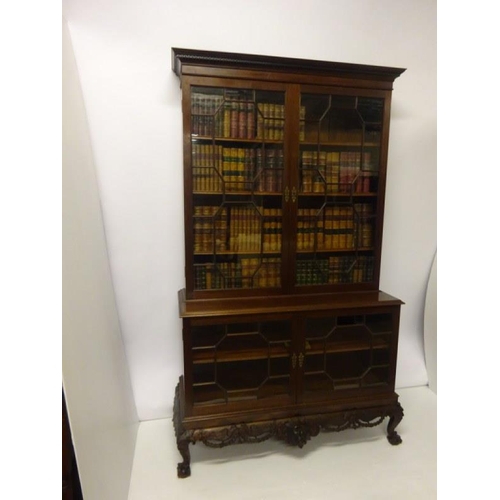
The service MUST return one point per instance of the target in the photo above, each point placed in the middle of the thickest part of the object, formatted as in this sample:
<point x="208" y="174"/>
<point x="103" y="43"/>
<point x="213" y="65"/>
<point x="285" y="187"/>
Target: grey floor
<point x="354" y="464"/>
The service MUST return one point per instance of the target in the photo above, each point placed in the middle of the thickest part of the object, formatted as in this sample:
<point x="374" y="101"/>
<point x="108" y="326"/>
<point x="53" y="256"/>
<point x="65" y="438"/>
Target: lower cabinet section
<point x="255" y="373"/>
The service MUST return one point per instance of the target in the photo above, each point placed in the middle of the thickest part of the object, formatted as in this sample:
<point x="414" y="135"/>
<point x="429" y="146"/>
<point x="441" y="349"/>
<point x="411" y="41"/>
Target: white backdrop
<point x="95" y="373"/>
<point x="122" y="49"/>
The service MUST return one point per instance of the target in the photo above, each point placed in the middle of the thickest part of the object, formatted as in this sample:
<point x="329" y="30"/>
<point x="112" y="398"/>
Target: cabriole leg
<point x="396" y="417"/>
<point x="184" y="467"/>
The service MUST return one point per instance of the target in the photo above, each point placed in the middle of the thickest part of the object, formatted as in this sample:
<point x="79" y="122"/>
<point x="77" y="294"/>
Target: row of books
<point x="336" y="172"/>
<point x="204" y="112"/>
<point x="249" y="229"/>
<point x="335" y="270"/>
<point x="337" y="135"/>
<point x="216" y="168"/>
<point x="253" y="273"/>
<point x="246" y="273"/>
<point x="236" y="116"/>
<point x="237" y="229"/>
<point x="334" y="228"/>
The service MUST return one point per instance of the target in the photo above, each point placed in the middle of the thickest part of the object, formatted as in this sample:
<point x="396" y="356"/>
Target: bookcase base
<point x="295" y="431"/>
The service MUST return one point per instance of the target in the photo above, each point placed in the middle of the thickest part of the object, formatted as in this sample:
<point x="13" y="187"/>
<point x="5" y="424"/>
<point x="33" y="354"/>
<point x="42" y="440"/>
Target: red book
<point x="242" y="120"/>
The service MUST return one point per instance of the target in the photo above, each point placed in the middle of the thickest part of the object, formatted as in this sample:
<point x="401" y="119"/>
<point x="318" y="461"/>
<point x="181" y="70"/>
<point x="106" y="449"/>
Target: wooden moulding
<point x="192" y="308"/>
<point x="211" y="63"/>
<point x="295" y="431"/>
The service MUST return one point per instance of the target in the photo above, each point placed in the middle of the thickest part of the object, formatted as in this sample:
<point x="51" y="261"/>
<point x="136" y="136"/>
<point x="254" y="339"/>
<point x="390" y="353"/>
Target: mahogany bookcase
<point x="285" y="330"/>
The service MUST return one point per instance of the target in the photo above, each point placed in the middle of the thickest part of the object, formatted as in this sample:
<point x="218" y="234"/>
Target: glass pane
<point x="338" y="175"/>
<point x="346" y="352"/>
<point x="239" y="361"/>
<point x="237" y="138"/>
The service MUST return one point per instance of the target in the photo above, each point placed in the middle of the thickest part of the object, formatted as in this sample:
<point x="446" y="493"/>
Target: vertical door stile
<point x="384" y="150"/>
<point x="291" y="182"/>
<point x="188" y="184"/>
<point x="188" y="357"/>
<point x="299" y="347"/>
<point x="394" y="340"/>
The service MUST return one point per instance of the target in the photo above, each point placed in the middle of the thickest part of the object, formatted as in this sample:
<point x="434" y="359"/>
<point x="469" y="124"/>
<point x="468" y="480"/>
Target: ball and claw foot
<point x="394" y="438"/>
<point x="183" y="470"/>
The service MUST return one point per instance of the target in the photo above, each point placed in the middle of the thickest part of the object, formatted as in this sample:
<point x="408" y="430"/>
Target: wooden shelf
<point x="339" y="144"/>
<point x="317" y="347"/>
<point x="211" y="394"/>
<point x="238" y="193"/>
<point x="382" y="328"/>
<point x="317" y="383"/>
<point x="209" y="355"/>
<point x="341" y="195"/>
<point x="335" y="250"/>
<point x="259" y="141"/>
<point x="249" y="252"/>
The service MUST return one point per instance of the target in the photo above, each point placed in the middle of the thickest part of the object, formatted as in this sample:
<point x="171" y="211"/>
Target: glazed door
<point x="235" y="158"/>
<point x="337" y="177"/>
<point x="243" y="364"/>
<point x="346" y="354"/>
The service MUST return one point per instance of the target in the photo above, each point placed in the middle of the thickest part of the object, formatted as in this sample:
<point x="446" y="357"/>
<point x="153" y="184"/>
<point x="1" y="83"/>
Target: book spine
<point x="344" y="169"/>
<point x="242" y="120"/>
<point x="234" y="120"/>
<point x="300" y="229"/>
<point x="302" y="128"/>
<point x="240" y="179"/>
<point x="310" y="229"/>
<point x="250" y="120"/>
<point x="306" y="158"/>
<point x="227" y="119"/>
<point x="260" y="120"/>
<point x="279" y="227"/>
<point x="282" y="122"/>
<point x="267" y="121"/>
<point x="195" y="110"/>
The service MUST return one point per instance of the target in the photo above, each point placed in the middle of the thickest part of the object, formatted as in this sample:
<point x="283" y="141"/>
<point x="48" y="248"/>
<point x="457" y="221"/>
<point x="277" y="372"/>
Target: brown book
<point x="250" y="120"/>
<point x="227" y="119"/>
<point x="311" y="228"/>
<point x="281" y="122"/>
<point x="302" y="129"/>
<point x="260" y="121"/>
<point x="242" y="120"/>
<point x="234" y="120"/>
<point x="267" y="122"/>
<point x="195" y="110"/>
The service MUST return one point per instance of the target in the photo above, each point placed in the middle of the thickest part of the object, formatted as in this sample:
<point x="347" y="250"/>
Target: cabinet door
<point x="346" y="354"/>
<point x="241" y="364"/>
<point x="338" y="166"/>
<point x="234" y="157"/>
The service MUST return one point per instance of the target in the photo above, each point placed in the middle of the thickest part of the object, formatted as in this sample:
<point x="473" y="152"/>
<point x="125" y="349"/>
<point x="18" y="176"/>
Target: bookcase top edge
<point x="192" y="308"/>
<point x="232" y="60"/>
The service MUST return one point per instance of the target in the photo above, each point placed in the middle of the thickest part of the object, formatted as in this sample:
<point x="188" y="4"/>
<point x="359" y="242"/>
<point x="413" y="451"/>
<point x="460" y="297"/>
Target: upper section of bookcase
<point x="199" y="62"/>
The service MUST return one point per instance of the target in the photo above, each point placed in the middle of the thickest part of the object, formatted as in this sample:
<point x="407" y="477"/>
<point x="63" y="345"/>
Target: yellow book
<point x="240" y="186"/>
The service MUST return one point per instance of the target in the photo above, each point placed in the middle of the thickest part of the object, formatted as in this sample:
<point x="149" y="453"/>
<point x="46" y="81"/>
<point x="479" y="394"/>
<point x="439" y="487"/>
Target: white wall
<point x="122" y="49"/>
<point x="96" y="380"/>
<point x="430" y="327"/>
